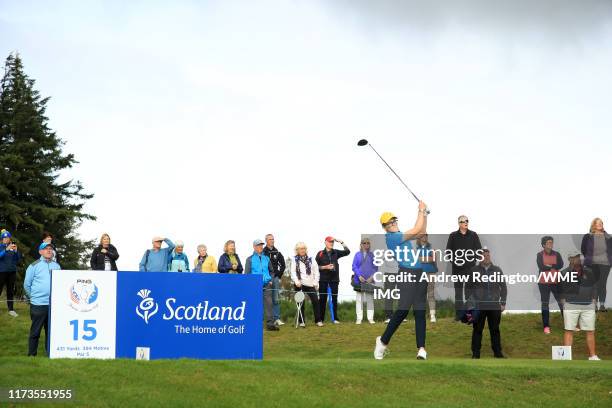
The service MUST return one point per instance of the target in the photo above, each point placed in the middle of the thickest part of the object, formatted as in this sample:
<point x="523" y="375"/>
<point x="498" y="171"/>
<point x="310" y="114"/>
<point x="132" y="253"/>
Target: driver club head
<point x="362" y="142"/>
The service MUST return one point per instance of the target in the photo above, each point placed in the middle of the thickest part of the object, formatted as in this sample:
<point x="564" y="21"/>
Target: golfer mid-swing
<point x="413" y="292"/>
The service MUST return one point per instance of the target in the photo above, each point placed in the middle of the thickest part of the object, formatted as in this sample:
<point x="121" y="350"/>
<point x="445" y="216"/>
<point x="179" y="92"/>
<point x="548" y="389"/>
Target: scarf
<point x="306" y="261"/>
<point x="201" y="260"/>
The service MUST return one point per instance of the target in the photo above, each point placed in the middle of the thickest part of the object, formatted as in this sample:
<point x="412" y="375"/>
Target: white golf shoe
<point x="422" y="354"/>
<point x="380" y="349"/>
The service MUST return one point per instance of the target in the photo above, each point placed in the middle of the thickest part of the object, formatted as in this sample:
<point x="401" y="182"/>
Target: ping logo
<point x="83" y="295"/>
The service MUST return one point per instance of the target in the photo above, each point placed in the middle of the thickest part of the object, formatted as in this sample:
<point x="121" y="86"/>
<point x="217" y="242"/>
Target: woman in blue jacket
<point x="229" y="262"/>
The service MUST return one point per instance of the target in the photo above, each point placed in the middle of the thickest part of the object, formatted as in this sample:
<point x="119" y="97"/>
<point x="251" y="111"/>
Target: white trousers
<point x="360" y="297"/>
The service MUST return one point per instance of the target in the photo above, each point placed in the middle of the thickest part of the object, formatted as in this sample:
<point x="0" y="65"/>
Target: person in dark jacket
<point x="578" y="294"/>
<point x="549" y="264"/>
<point x="329" y="275"/>
<point x="278" y="267"/>
<point x="9" y="257"/>
<point x="597" y="250"/>
<point x="463" y="239"/>
<point x="230" y="262"/>
<point x="104" y="256"/>
<point x="489" y="298"/>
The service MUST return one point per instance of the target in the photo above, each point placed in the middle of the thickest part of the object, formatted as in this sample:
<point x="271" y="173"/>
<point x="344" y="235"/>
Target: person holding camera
<point x="104" y="256"/>
<point x="9" y="257"/>
<point x="329" y="275"/>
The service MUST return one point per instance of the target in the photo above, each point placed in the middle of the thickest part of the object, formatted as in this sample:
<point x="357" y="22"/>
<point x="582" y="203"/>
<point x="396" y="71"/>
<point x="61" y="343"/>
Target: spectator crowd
<point x="318" y="277"/>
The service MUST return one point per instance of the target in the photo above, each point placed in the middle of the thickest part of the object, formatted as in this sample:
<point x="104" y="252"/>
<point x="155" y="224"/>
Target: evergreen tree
<point x="32" y="198"/>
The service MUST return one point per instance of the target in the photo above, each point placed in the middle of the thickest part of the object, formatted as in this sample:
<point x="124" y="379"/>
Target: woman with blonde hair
<point x="305" y="278"/>
<point x="362" y="279"/>
<point x="597" y="250"/>
<point x="230" y="262"/>
<point x="204" y="263"/>
<point x="104" y="256"/>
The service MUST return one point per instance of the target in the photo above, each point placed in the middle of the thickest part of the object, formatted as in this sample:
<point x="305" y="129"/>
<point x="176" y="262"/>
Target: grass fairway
<point x="333" y="366"/>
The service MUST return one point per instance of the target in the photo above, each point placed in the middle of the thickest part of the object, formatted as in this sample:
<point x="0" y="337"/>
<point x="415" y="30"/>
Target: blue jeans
<point x="545" y="291"/>
<point x="276" y="285"/>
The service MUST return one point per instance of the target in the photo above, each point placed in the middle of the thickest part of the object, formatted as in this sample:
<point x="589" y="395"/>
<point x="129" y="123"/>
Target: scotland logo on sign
<point x="83" y="295"/>
<point x="147" y="307"/>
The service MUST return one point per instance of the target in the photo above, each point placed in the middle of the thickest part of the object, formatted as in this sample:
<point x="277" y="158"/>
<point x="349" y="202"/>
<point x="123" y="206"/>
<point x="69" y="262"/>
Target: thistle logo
<point x="147" y="307"/>
<point x="83" y="295"/>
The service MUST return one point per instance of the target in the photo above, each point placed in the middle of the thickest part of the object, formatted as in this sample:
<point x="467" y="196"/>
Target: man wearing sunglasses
<point x="458" y="242"/>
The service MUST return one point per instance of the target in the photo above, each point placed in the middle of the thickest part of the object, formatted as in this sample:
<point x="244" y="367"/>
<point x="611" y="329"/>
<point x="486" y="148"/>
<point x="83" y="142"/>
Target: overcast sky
<point x="205" y="121"/>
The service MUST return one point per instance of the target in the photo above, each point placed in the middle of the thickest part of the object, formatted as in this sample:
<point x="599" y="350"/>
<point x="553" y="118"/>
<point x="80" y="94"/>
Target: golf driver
<point x="364" y="142"/>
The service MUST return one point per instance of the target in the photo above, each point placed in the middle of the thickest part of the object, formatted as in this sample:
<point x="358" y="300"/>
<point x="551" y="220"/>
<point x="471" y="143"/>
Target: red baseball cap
<point x="329" y="239"/>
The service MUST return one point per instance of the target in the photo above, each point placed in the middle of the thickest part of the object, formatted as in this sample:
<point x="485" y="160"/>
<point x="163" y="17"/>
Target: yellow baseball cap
<point x="386" y="217"/>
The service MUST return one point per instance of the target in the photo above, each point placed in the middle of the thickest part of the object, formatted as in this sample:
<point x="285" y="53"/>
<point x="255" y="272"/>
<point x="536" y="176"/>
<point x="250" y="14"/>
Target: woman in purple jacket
<point x="364" y="269"/>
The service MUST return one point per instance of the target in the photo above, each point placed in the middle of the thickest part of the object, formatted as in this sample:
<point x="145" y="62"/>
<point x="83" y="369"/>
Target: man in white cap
<point x="37" y="286"/>
<point x="578" y="296"/>
<point x="156" y="259"/>
<point x="259" y="264"/>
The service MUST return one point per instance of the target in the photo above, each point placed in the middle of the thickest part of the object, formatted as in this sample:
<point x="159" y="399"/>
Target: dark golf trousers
<point x="314" y="299"/>
<point x="8" y="279"/>
<point x="494" y="318"/>
<point x="323" y="298"/>
<point x="267" y="301"/>
<point x="545" y="291"/>
<point x="601" y="273"/>
<point x="412" y="295"/>
<point x="389" y="300"/>
<point x="40" y="320"/>
<point x="459" y="287"/>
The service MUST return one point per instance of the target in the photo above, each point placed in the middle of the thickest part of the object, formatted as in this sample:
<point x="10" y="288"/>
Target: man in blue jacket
<point x="156" y="259"/>
<point x="259" y="264"/>
<point x="9" y="257"/>
<point x="37" y="286"/>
